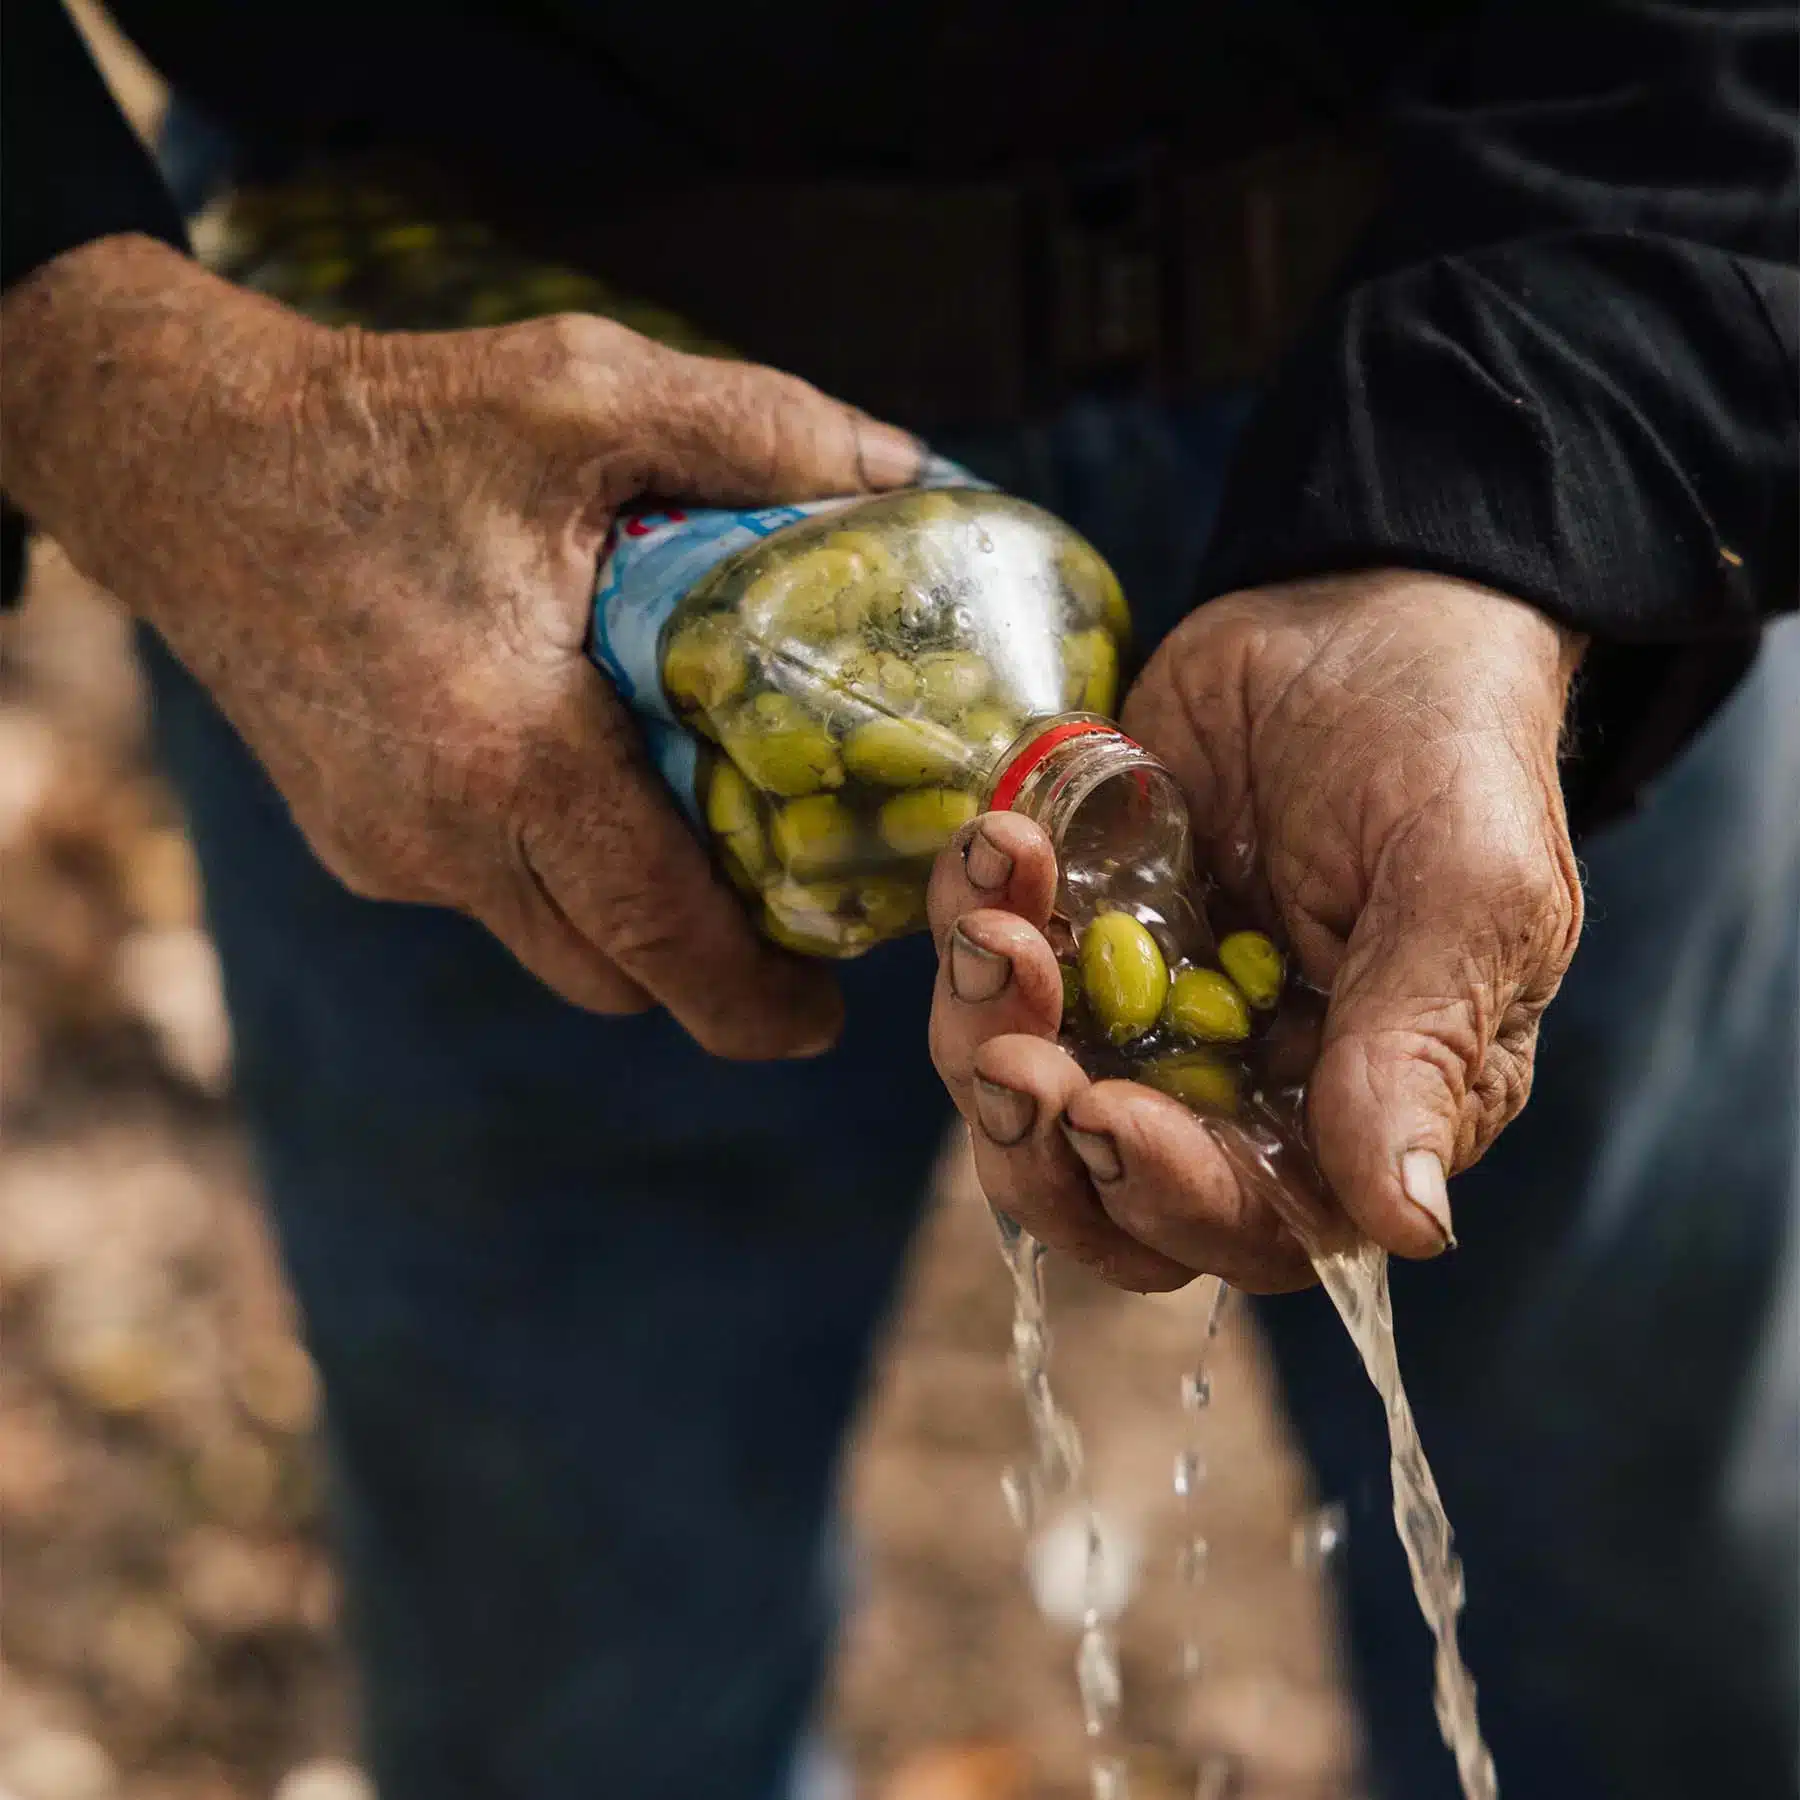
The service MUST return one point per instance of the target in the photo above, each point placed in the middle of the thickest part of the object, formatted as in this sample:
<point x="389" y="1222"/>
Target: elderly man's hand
<point x="378" y="554"/>
<point x="1372" y="762"/>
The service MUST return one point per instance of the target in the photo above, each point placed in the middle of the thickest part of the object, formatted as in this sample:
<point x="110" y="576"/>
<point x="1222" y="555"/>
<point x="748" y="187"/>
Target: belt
<point x="969" y="304"/>
<point x="986" y="303"/>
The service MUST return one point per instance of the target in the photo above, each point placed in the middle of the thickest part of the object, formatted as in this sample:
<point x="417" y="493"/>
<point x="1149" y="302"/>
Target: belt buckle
<point x="1106" y="299"/>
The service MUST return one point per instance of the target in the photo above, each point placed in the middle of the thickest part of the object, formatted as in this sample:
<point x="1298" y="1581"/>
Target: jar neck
<point x="1114" y="814"/>
<point x="1055" y="766"/>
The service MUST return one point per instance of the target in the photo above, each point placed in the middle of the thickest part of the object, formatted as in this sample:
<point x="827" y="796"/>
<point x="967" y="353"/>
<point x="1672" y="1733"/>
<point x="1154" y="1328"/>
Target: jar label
<point x="651" y="562"/>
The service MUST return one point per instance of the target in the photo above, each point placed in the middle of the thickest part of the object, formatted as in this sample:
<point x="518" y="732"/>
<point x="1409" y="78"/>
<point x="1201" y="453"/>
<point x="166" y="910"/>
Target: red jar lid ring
<point x="1014" y="776"/>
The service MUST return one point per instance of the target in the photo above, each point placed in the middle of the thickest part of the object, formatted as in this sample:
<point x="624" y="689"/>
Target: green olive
<point x="730" y="802"/>
<point x="705" y="665"/>
<point x="814" y="835"/>
<point x="405" y="240"/>
<point x="1071" y="983"/>
<point x="804" y="917"/>
<point x="891" y="904"/>
<point x="1091" y="671"/>
<point x="876" y="553"/>
<point x="810" y="597"/>
<point x="1253" y="962"/>
<point x="746" y="859"/>
<point x="951" y="681"/>
<point x="904" y="753"/>
<point x="1201" y="1080"/>
<point x="878" y="676"/>
<point x="1123" y="975"/>
<point x="1204" y="1005"/>
<point x="1094" y="588"/>
<point x="990" y="729"/>
<point x="873" y="579"/>
<point x="923" y="822"/>
<point x="780" y="749"/>
<point x="936" y="507"/>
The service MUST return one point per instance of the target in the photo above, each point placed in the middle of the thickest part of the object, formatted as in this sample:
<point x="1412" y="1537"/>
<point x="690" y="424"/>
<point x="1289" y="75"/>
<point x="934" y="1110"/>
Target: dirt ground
<point x="169" y="1620"/>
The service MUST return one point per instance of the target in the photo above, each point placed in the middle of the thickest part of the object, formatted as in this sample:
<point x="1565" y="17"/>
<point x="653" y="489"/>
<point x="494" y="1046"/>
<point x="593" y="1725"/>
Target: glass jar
<point x="848" y="681"/>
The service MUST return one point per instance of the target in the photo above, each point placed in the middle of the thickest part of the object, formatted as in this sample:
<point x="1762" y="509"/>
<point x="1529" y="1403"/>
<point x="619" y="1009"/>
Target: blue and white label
<point x="653" y="560"/>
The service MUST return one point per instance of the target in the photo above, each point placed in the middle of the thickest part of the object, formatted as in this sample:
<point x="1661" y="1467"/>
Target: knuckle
<point x="949" y="1053"/>
<point x="571" y="342"/>
<point x="1501" y="1088"/>
<point x="1441" y="1040"/>
<point x="638" y="928"/>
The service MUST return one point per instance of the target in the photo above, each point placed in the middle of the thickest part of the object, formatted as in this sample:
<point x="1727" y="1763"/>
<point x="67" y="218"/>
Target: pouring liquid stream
<point x="1056" y="1470"/>
<point x="1356" y="1278"/>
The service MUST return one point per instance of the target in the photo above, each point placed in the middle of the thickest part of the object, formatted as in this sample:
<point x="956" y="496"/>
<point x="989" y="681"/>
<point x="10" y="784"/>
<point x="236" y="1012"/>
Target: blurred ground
<point x="168" y="1630"/>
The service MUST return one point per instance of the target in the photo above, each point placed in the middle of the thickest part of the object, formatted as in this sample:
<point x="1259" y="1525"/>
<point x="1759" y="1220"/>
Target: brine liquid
<point x="1055" y="1472"/>
<point x="1357" y="1281"/>
<point x="1193" y="1554"/>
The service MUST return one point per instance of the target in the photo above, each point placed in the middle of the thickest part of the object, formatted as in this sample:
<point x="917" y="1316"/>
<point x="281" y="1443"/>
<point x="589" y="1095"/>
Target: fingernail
<point x="1096" y="1150"/>
<point x="988" y="865"/>
<point x="886" y="456"/>
<point x="1006" y="1115"/>
<point x="1422" y="1179"/>
<point x="976" y="973"/>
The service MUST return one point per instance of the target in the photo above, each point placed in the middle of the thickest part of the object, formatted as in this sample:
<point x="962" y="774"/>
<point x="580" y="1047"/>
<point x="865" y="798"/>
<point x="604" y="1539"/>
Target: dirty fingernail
<point x="1422" y="1180"/>
<point x="1006" y="1115"/>
<point x="988" y="865"/>
<point x="1096" y="1150"/>
<point x="976" y="973"/>
<point x="887" y="456"/>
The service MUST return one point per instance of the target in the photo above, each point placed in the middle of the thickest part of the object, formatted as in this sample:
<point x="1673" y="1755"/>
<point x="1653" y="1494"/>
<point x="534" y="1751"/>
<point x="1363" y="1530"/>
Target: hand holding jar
<point x="1369" y="767"/>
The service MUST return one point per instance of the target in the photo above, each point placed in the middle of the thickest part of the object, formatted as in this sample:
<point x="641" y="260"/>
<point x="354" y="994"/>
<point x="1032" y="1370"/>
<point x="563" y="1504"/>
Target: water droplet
<point x="1191" y="1660"/>
<point x="1190" y="1474"/>
<point x="1108" y="1779"/>
<point x="1097" y="1676"/>
<point x="1191" y="1560"/>
<point x="1319" y="1537"/>
<point x="1215" y="1314"/>
<point x="1019" y="1489"/>
<point x="1220" y="1776"/>
<point x="1196" y="1391"/>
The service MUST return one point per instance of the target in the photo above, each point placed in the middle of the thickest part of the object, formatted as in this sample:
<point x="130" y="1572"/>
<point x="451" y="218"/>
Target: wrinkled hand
<point x="378" y="553"/>
<point x="1371" y="763"/>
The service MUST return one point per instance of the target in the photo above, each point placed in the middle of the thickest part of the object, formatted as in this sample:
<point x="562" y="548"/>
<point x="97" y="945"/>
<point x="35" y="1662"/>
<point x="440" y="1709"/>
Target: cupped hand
<point x="1371" y="766"/>
<point x="378" y="554"/>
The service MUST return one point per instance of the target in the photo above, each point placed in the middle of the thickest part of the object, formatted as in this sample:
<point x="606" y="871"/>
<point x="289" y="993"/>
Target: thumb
<point x="1403" y="1037"/>
<point x="722" y="431"/>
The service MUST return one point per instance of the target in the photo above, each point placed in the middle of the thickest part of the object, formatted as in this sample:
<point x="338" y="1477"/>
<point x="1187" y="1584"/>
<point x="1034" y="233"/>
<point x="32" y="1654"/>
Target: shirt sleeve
<point x="71" y="170"/>
<point x="1564" y="364"/>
